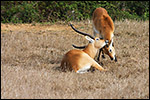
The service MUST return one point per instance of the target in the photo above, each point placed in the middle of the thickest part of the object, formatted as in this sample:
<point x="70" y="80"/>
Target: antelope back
<point x="102" y="23"/>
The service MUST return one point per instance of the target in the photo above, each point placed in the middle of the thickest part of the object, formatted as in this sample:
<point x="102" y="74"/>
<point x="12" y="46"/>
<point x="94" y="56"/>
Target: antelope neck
<point x="90" y="50"/>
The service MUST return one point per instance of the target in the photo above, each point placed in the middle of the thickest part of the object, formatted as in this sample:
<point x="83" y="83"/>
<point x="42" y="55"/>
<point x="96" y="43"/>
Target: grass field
<point x="31" y="56"/>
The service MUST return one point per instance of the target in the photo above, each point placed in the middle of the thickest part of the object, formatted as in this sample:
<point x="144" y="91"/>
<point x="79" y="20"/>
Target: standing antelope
<point x="103" y="27"/>
<point x="82" y="60"/>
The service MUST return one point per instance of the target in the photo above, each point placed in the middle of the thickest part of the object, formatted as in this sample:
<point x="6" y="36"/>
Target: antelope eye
<point x="110" y="50"/>
<point x="97" y="39"/>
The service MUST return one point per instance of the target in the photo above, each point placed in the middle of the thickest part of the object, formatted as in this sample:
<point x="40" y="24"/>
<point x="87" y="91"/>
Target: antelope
<point x="103" y="27"/>
<point x="82" y="60"/>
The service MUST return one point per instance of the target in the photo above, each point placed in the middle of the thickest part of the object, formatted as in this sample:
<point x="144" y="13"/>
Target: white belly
<point x="84" y="69"/>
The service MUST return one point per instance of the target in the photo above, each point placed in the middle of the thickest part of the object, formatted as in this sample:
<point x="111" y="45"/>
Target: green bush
<point x="52" y="11"/>
<point x="24" y="12"/>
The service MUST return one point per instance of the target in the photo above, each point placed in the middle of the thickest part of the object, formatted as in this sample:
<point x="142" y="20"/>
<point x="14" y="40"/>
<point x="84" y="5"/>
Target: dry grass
<point x="31" y="55"/>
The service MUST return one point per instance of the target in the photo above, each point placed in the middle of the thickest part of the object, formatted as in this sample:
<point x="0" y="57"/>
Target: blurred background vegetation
<point x="53" y="11"/>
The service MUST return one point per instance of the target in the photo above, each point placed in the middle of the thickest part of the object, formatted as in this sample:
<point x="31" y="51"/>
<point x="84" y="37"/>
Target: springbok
<point x="82" y="60"/>
<point x="103" y="27"/>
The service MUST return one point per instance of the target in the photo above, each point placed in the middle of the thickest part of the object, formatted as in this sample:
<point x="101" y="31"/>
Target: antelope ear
<point x="89" y="39"/>
<point x="111" y="43"/>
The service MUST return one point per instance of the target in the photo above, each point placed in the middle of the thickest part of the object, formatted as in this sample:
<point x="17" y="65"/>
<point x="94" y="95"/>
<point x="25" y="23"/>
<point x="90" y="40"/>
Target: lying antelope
<point x="82" y="60"/>
<point x="103" y="27"/>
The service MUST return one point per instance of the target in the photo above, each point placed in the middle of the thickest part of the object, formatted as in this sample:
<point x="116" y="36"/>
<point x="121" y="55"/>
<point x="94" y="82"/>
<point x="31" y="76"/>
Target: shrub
<point x="52" y="11"/>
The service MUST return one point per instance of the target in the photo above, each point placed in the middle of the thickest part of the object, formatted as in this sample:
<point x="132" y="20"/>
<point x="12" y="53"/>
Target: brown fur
<point x="77" y="59"/>
<point x="104" y="25"/>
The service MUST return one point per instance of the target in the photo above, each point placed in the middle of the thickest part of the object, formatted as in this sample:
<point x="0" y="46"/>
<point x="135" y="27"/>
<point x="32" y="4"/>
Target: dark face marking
<point x="107" y="46"/>
<point x="113" y="44"/>
<point x="111" y="58"/>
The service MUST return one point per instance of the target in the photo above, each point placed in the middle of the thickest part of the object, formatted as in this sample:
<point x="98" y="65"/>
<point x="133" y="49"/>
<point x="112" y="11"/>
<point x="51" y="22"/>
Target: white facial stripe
<point x="112" y="35"/>
<point x="112" y="40"/>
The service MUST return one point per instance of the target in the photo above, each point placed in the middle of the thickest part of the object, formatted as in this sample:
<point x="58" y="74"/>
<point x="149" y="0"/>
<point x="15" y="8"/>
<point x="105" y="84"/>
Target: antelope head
<point x="110" y="51"/>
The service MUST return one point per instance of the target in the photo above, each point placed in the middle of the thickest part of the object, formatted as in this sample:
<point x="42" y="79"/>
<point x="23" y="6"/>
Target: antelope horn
<point x="85" y="34"/>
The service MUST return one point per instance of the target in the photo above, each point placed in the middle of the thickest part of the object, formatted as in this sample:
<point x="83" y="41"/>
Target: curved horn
<point x="85" y="34"/>
<point x="81" y="47"/>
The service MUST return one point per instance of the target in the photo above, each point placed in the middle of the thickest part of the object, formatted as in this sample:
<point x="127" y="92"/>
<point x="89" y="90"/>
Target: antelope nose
<point x="111" y="58"/>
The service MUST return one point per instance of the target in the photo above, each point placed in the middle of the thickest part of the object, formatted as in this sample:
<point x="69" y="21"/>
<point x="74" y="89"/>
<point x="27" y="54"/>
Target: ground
<point x="31" y="55"/>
